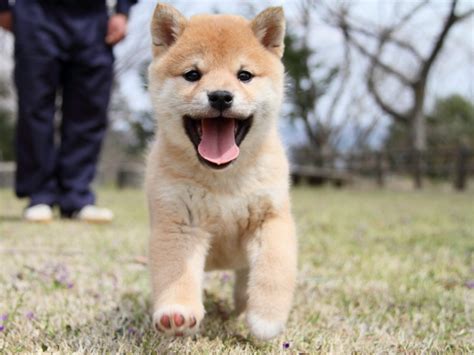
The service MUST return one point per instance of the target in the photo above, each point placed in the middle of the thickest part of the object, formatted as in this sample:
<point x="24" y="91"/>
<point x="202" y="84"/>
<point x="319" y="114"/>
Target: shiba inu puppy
<point x="217" y="176"/>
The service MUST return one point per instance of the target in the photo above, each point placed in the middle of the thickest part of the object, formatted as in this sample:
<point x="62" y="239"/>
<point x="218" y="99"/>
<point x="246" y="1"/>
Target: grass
<point x="380" y="271"/>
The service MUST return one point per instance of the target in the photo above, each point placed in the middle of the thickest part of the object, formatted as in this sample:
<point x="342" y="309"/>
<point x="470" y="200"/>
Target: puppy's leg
<point x="177" y="268"/>
<point x="240" y="290"/>
<point x="272" y="276"/>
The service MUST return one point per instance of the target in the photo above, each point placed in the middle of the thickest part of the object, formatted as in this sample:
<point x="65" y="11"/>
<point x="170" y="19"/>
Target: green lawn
<point x="379" y="271"/>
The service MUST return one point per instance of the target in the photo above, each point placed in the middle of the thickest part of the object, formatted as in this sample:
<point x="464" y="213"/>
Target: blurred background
<point x="379" y="93"/>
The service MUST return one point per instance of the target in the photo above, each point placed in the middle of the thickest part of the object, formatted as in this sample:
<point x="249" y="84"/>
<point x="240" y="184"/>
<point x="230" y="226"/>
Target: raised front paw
<point x="177" y="320"/>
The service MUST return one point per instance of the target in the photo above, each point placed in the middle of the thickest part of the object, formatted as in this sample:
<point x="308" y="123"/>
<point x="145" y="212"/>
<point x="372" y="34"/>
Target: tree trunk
<point x="418" y="147"/>
<point x="418" y="132"/>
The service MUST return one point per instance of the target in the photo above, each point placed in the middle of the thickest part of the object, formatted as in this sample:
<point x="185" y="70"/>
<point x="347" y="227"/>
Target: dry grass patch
<point x="379" y="271"/>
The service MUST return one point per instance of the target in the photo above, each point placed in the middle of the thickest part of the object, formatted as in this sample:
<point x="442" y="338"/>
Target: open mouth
<point x="217" y="139"/>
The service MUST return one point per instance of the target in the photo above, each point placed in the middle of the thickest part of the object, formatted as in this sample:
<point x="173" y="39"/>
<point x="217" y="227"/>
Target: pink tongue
<point x="217" y="140"/>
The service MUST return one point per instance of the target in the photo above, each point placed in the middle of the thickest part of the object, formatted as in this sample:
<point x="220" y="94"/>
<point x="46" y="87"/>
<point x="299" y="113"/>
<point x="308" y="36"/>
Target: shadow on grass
<point x="221" y="322"/>
<point x="128" y="327"/>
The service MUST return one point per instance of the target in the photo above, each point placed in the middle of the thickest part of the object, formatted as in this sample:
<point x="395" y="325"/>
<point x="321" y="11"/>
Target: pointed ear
<point x="167" y="25"/>
<point x="269" y="28"/>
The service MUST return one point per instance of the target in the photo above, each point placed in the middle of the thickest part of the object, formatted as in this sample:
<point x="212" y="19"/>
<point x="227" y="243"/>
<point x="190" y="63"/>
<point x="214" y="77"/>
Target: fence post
<point x="417" y="166"/>
<point x="462" y="160"/>
<point x="379" y="169"/>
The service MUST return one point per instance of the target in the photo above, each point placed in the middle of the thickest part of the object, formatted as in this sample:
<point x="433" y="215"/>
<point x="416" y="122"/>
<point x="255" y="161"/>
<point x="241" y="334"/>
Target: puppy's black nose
<point x="220" y="99"/>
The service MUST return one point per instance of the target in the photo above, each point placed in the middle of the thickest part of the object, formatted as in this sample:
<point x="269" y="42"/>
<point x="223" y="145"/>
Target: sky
<point x="453" y="72"/>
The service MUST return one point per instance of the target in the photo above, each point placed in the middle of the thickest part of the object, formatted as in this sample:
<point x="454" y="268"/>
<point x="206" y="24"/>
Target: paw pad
<point x="175" y="322"/>
<point x="178" y="320"/>
<point x="165" y="322"/>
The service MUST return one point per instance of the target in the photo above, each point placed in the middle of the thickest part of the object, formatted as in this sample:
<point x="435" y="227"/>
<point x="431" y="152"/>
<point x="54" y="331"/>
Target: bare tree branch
<point x="393" y="40"/>
<point x="465" y="15"/>
<point x="309" y="130"/>
<point x="451" y="19"/>
<point x="438" y="44"/>
<point x="362" y="28"/>
<point x="342" y="82"/>
<point x="375" y="59"/>
<point x="385" y="37"/>
<point x="410" y="14"/>
<point x="371" y="85"/>
<point x="354" y="111"/>
<point x="414" y="84"/>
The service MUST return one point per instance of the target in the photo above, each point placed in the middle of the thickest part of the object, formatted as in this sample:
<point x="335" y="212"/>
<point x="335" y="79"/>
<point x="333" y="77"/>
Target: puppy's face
<point x="216" y="81"/>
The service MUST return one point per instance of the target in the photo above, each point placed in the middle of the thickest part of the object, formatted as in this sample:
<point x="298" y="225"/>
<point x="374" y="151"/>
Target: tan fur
<point x="236" y="218"/>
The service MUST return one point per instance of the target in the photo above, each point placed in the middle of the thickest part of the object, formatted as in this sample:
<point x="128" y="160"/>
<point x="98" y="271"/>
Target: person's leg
<point x="86" y="81"/>
<point x="37" y="68"/>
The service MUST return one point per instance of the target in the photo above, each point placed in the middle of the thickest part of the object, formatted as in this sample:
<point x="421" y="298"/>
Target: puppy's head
<point x="216" y="81"/>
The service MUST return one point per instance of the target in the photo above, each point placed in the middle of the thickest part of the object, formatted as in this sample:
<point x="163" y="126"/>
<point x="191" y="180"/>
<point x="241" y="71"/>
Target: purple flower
<point x="30" y="315"/>
<point x="131" y="331"/>
<point x="60" y="275"/>
<point x="4" y="317"/>
<point x="225" y="277"/>
<point x="286" y="345"/>
<point x="2" y="328"/>
<point x="470" y="284"/>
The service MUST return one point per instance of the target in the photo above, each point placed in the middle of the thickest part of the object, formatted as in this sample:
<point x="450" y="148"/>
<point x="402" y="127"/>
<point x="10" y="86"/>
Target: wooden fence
<point x="455" y="164"/>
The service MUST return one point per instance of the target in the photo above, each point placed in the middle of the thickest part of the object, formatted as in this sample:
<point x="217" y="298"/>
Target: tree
<point x="449" y="124"/>
<point x="306" y="91"/>
<point x="313" y="81"/>
<point x="386" y="38"/>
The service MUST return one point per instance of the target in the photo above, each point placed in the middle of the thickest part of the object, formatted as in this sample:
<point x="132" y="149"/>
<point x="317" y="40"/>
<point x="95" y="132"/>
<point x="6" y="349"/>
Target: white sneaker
<point x="41" y="213"/>
<point x="94" y="214"/>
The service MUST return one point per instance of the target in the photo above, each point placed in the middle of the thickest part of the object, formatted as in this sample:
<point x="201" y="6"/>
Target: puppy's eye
<point x="192" y="75"/>
<point x="244" y="76"/>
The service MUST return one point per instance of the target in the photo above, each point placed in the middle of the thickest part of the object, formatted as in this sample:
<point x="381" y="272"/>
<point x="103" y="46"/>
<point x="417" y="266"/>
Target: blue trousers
<point x="60" y="49"/>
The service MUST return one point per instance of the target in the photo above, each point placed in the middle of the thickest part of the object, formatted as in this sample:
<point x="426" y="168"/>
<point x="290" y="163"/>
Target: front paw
<point x="177" y="320"/>
<point x="262" y="328"/>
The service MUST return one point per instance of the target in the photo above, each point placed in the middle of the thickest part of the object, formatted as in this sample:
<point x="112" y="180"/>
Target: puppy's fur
<point x="237" y="217"/>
